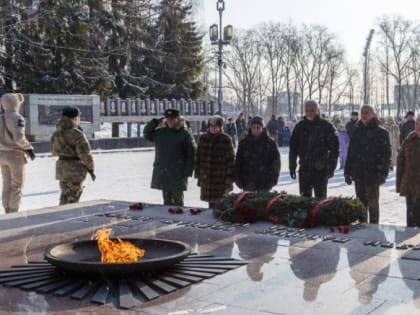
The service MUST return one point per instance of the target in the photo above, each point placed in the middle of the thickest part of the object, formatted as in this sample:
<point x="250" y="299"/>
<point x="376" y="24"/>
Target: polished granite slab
<point x="296" y="274"/>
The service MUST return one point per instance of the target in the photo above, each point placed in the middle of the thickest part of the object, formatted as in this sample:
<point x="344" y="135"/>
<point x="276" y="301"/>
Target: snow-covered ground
<point x="126" y="176"/>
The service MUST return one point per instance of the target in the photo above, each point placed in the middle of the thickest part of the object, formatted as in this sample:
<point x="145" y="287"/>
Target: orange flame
<point x="118" y="251"/>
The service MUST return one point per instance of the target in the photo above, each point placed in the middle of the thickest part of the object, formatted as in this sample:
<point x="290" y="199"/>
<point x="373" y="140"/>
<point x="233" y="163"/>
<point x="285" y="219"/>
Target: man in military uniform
<point x="174" y="157"/>
<point x="314" y="140"/>
<point x="71" y="146"/>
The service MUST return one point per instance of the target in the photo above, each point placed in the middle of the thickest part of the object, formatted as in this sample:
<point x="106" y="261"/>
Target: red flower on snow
<point x="275" y="219"/>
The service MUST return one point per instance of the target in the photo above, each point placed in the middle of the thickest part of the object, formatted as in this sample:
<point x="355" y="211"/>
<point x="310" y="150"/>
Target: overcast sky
<point x="351" y="20"/>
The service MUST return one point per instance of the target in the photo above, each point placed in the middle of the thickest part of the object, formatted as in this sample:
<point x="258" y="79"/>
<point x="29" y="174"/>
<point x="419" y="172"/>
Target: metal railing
<point x="116" y="107"/>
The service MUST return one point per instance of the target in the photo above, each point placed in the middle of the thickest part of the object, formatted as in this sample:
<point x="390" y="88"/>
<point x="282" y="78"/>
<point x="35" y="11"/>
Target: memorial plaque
<point x="51" y="114"/>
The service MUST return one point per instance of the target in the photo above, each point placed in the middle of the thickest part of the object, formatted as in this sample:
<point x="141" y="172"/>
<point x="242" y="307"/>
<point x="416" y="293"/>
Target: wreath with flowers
<point x="290" y="210"/>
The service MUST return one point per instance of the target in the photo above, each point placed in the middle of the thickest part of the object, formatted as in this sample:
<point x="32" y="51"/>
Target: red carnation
<point x="275" y="219"/>
<point x="137" y="206"/>
<point x="195" y="211"/>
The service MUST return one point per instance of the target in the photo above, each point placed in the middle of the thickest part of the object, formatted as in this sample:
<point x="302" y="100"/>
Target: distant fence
<point x="43" y="111"/>
<point x="138" y="110"/>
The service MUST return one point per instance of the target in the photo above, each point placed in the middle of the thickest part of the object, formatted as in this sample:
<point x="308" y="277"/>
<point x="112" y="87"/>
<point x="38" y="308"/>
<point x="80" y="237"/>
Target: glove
<point x="158" y="120"/>
<point x="293" y="174"/>
<point x="348" y="179"/>
<point x="92" y="175"/>
<point x="31" y="154"/>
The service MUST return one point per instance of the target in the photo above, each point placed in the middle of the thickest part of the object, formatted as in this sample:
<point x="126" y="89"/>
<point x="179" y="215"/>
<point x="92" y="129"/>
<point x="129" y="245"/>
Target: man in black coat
<point x="273" y="127"/>
<point x="368" y="160"/>
<point x="241" y="127"/>
<point x="231" y="130"/>
<point x="281" y="126"/>
<point x="352" y="124"/>
<point x="408" y="126"/>
<point x="314" y="140"/>
<point x="257" y="165"/>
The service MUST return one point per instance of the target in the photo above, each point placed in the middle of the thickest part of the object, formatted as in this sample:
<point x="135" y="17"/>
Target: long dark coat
<point x="406" y="129"/>
<point x="369" y="154"/>
<point x="408" y="167"/>
<point x="174" y="156"/>
<point x="316" y="144"/>
<point x="257" y="165"/>
<point x="214" y="165"/>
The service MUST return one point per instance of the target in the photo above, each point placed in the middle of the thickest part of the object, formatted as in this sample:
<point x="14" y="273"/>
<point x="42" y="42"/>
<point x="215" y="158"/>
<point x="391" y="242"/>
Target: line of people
<point x="255" y="167"/>
<point x="314" y="147"/>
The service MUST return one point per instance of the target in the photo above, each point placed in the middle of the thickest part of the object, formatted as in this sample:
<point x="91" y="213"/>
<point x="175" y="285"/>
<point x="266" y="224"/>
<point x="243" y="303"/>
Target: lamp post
<point x="220" y="36"/>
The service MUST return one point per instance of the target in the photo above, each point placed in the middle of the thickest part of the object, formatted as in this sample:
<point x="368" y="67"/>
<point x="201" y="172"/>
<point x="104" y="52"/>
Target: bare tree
<point x="243" y="65"/>
<point x="397" y="32"/>
<point x="271" y="39"/>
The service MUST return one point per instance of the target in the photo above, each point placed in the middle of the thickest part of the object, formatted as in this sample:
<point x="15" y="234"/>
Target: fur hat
<point x="216" y="120"/>
<point x="71" y="112"/>
<point x="11" y="102"/>
<point x="257" y="120"/>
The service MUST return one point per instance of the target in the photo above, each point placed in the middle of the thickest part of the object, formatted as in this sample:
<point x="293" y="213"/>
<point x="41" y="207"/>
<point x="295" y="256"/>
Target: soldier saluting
<point x="174" y="156"/>
<point x="71" y="146"/>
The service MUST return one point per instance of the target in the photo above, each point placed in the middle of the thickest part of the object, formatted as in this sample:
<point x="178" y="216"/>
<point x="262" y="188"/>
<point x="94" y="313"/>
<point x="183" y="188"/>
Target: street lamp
<point x="220" y="39"/>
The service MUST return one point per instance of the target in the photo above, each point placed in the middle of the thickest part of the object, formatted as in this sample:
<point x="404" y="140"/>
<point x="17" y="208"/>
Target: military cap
<point x="354" y="113"/>
<point x="171" y="113"/>
<point x="71" y="112"/>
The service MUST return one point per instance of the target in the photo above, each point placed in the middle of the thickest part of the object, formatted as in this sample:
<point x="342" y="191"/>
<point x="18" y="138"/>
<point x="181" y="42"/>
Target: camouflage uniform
<point x="13" y="146"/>
<point x="70" y="144"/>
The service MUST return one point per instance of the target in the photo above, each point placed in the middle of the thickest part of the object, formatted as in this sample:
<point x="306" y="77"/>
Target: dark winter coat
<point x="351" y="127"/>
<point x="241" y="128"/>
<point x="257" y="165"/>
<point x="408" y="167"/>
<point x="214" y="166"/>
<point x="369" y="153"/>
<point x="174" y="156"/>
<point x="316" y="144"/>
<point x="273" y="127"/>
<point x="231" y="129"/>
<point x="406" y="128"/>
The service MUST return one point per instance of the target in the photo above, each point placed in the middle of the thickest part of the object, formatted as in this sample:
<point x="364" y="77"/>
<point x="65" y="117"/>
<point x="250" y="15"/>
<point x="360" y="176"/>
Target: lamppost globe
<point x="218" y="38"/>
<point x="228" y="33"/>
<point x="214" y="32"/>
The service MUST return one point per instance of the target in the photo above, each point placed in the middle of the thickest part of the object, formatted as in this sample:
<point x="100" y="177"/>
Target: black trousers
<point x="368" y="193"/>
<point x="312" y="180"/>
<point x="413" y="211"/>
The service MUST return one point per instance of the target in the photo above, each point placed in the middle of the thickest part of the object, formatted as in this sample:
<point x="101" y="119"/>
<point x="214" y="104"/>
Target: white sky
<point x="351" y="20"/>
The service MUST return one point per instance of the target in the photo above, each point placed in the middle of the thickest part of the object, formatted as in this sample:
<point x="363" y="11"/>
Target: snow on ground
<point x="127" y="175"/>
